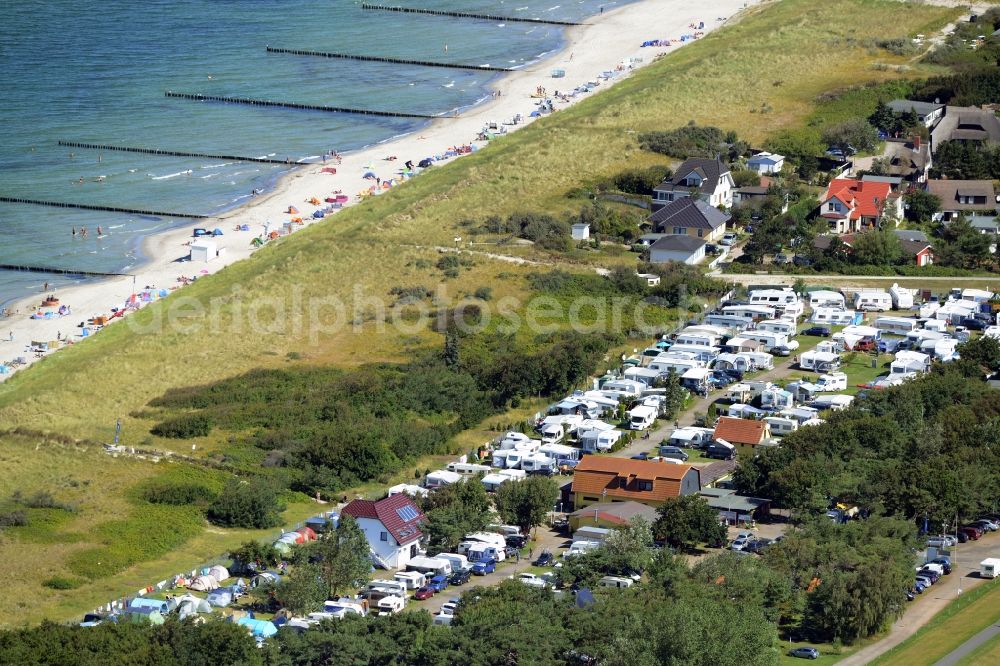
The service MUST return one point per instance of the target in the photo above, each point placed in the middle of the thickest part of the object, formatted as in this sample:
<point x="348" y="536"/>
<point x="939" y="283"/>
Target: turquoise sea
<point x="96" y="72"/>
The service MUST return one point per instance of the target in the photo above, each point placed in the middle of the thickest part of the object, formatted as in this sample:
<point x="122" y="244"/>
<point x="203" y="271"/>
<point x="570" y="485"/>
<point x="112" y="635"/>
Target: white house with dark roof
<point x="391" y="526"/>
<point x="928" y="113"/>
<point x="685" y="249"/>
<point x="690" y="217"/>
<point x="766" y="163"/>
<point x="962" y="196"/>
<point x="709" y="179"/>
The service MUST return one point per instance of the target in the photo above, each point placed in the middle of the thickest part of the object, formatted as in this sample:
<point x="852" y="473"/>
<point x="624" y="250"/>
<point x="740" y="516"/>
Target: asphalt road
<point x="966" y="648"/>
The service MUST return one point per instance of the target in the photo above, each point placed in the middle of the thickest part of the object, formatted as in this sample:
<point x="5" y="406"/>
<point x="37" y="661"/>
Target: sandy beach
<point x="608" y="41"/>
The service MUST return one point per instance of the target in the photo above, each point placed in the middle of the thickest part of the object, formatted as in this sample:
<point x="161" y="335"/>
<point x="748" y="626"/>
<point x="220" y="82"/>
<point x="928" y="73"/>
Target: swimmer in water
<point x="99" y="231"/>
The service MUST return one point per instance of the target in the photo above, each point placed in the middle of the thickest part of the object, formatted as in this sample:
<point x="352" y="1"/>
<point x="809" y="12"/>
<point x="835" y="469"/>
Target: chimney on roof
<point x="916" y="142"/>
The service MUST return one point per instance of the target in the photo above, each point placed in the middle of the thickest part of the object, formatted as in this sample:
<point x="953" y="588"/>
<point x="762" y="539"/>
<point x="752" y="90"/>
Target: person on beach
<point x="45" y="287"/>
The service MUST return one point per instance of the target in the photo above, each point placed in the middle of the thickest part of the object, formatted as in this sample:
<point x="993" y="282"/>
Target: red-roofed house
<point x="392" y="527"/>
<point x="850" y="205"/>
<point x="744" y="434"/>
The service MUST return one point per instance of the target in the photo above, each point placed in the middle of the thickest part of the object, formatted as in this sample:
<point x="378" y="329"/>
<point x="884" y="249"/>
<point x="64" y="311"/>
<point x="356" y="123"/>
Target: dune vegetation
<point x="277" y="312"/>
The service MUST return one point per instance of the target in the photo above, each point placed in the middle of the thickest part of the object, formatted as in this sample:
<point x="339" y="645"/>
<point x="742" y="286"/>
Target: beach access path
<point x="601" y="44"/>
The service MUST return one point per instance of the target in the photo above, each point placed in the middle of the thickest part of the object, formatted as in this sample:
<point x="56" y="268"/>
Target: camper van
<point x="595" y="440"/>
<point x="696" y="340"/>
<point x="384" y="588"/>
<point x="896" y="325"/>
<point x="819" y="361"/>
<point x="468" y="469"/>
<point x="431" y="565"/>
<point x="990" y="567"/>
<point x="667" y="362"/>
<point x="458" y="562"/>
<point x="773" y="297"/>
<point x="834" y="381"/>
<point x="781" y="426"/>
<point x="902" y="298"/>
<point x="552" y="433"/>
<point x="785" y="327"/>
<point x="538" y="462"/>
<point x="617" y="582"/>
<point x="749" y="312"/>
<point x="833" y="316"/>
<point x="826" y="299"/>
<point x="875" y="300"/>
<point x="477" y="551"/>
<point x="835" y="402"/>
<point x="641" y="417"/>
<point x="770" y="340"/>
<point x="413" y="580"/>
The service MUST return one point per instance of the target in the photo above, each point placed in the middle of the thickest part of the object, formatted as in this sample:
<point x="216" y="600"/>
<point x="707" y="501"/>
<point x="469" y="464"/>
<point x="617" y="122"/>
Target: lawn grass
<point x="956" y="623"/>
<point x="987" y="653"/>
<point x="756" y="77"/>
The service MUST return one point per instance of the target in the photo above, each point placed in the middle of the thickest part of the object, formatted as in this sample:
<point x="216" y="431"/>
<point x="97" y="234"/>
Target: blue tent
<point x="141" y="603"/>
<point x="221" y="597"/>
<point x="217" y="232"/>
<point x="260" y="628"/>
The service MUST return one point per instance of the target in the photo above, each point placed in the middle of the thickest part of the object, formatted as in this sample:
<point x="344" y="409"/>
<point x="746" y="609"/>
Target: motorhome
<point x="616" y="582"/>
<point x="977" y="295"/>
<point x="696" y="339"/>
<point x="680" y="365"/>
<point x="431" y="565"/>
<point x="989" y="568"/>
<point x="777" y="326"/>
<point x="834" y="381"/>
<point x="413" y="580"/>
<point x="641" y="417"/>
<point x="538" y="463"/>
<point x="552" y="433"/>
<point x="477" y="551"/>
<point x="929" y="309"/>
<point x="906" y="362"/>
<point x="703" y="354"/>
<point x="896" y="325"/>
<point x="822" y="298"/>
<point x="873" y="300"/>
<point x="834" y="316"/>
<point x="383" y="588"/>
<point x="773" y="297"/>
<point x="781" y="426"/>
<point x="515" y="440"/>
<point x="902" y="298"/>
<point x="749" y="312"/>
<point x="468" y="469"/>
<point x="819" y="361"/>
<point x="390" y="605"/>
<point x="494" y="538"/>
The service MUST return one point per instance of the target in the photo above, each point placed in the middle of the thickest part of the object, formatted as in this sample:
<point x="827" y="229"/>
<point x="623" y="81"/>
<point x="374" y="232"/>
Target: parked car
<point x="974" y="324"/>
<point x="929" y="573"/>
<point x="944" y="562"/>
<point x="801" y="261"/>
<point x="641" y="456"/>
<point x="924" y="580"/>
<point x="781" y="351"/>
<point x="483" y="567"/>
<point x="910" y="596"/>
<point x="531" y="580"/>
<point x="780" y="259"/>
<point x="438" y="583"/>
<point x="674" y="452"/>
<point x="424" y="593"/>
<point x="804" y="653"/>
<point x="864" y="344"/>
<point x="449" y="607"/>
<point x="818" y="331"/>
<point x="986" y="524"/>
<point x="943" y="541"/>
<point x="971" y="532"/>
<point x="742" y="542"/>
<point x="757" y="546"/>
<point x="460" y="577"/>
<point x="516" y="540"/>
<point x="544" y="560"/>
<point x="729" y="239"/>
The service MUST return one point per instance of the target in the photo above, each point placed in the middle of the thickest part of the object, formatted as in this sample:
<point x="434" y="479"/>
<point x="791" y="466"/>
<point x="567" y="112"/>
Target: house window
<point x="384" y="536"/>
<point x="645" y="485"/>
<point x="623" y="482"/>
<point x="700" y="233"/>
<point x="680" y="231"/>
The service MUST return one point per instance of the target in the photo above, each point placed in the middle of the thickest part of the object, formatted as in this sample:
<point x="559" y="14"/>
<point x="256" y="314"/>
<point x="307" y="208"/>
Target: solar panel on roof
<point x="406" y="513"/>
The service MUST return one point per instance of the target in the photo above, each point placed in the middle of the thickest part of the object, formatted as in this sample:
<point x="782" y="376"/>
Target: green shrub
<point x="177" y="494"/>
<point x="684" y="142"/>
<point x="484" y="293"/>
<point x="251" y="504"/>
<point x="15" y="518"/>
<point x="63" y="582"/>
<point x="184" y="427"/>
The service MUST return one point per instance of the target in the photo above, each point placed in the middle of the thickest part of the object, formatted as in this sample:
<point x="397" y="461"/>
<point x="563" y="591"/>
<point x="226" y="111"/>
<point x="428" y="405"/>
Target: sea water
<point x="96" y="72"/>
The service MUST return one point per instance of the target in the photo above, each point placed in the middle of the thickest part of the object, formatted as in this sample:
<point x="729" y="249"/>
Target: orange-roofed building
<point x="744" y="434"/>
<point x="850" y="205"/>
<point x="599" y="479"/>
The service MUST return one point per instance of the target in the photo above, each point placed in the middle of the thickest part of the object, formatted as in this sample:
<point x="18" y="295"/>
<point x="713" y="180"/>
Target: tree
<point x="878" y="248"/>
<point x="921" y="205"/>
<point x="451" y="354"/>
<point x="745" y="177"/>
<point x="302" y="591"/>
<point x="525" y="503"/>
<point x="252" y="504"/>
<point x="851" y="136"/>
<point x="254" y="556"/>
<point x="883" y="117"/>
<point x="626" y="551"/>
<point x="344" y="558"/>
<point x="981" y="356"/>
<point x="963" y="246"/>
<point x="674" y="395"/>
<point x="454" y="511"/>
<point x="687" y="520"/>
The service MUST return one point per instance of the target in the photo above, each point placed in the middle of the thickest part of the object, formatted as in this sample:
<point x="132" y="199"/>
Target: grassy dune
<point x="776" y="60"/>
